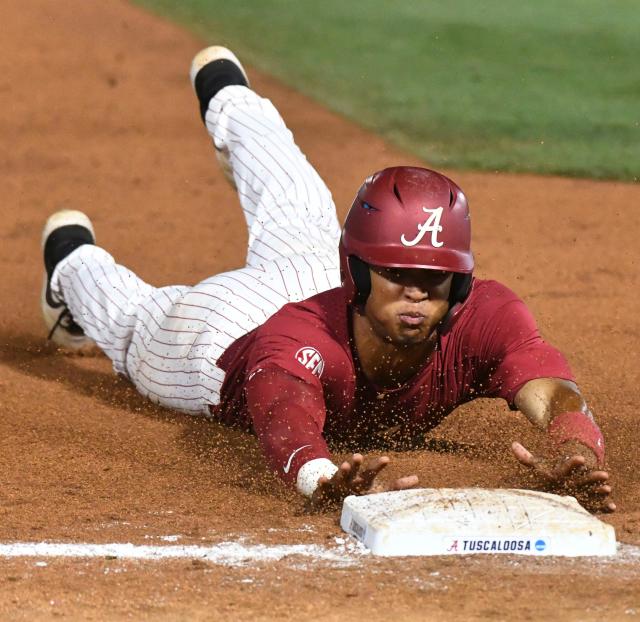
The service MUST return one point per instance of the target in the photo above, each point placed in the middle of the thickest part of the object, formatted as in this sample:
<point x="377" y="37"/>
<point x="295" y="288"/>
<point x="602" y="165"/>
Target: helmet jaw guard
<point x="407" y="217"/>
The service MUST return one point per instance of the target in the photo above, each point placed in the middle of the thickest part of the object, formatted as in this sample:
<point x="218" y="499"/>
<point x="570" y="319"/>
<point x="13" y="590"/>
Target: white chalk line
<point x="225" y="553"/>
<point x="345" y="553"/>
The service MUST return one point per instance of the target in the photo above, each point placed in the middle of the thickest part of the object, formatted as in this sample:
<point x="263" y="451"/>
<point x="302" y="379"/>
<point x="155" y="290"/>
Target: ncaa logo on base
<point x="311" y="359"/>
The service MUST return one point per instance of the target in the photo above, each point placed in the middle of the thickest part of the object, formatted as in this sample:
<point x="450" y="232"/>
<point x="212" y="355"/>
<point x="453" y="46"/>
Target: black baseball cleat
<point x="63" y="232"/>
<point x="211" y="70"/>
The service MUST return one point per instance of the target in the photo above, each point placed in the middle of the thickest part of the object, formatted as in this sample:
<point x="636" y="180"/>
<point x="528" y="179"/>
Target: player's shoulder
<point x="489" y="303"/>
<point x="307" y="338"/>
<point x="321" y="316"/>
<point x="488" y="293"/>
<point x="325" y="304"/>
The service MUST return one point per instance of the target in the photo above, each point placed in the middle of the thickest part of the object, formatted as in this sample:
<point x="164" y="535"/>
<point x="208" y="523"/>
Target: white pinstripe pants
<point x="167" y="340"/>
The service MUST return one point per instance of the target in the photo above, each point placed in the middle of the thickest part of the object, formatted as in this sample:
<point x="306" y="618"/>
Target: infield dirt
<point x="98" y="114"/>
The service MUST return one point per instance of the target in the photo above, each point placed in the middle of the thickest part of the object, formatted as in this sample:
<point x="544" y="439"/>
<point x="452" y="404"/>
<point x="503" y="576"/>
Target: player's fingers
<point x="372" y="470"/>
<point x="523" y="455"/>
<point x="587" y="480"/>
<point x="403" y="483"/>
<point x="569" y="465"/>
<point x="357" y="459"/>
<point x="326" y="493"/>
<point x="331" y="486"/>
<point x="376" y="465"/>
<point x="593" y="477"/>
<point x="599" y="476"/>
<point x="339" y="481"/>
<point x="354" y="467"/>
<point x="596" y="494"/>
<point x="601" y="505"/>
<point x="603" y="490"/>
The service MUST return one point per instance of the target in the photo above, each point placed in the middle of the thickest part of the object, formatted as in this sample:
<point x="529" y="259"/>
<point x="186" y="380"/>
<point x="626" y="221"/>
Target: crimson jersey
<point x="492" y="349"/>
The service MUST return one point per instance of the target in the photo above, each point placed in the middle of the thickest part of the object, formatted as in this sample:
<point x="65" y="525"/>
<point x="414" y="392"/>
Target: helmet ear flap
<point x="460" y="288"/>
<point x="361" y="279"/>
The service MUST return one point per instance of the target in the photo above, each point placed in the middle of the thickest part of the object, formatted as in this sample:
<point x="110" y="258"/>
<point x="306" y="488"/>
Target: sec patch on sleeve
<point x="310" y="359"/>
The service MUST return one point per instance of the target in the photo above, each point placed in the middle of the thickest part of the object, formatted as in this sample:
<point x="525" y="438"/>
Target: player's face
<point x="406" y="304"/>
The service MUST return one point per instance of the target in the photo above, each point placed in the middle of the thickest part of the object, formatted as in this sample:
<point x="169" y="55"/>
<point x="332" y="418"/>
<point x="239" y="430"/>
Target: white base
<point x="450" y="521"/>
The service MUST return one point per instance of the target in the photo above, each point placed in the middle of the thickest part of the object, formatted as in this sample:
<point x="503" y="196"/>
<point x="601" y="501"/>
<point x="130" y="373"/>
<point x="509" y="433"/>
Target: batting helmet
<point x="407" y="217"/>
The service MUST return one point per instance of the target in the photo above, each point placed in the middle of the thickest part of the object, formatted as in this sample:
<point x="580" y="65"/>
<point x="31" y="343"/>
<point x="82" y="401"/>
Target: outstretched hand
<point x="575" y="474"/>
<point x="354" y="477"/>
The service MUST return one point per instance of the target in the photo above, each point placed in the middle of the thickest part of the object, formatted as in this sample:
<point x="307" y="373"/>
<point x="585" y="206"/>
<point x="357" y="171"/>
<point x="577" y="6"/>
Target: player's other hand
<point x="575" y="473"/>
<point x="356" y="477"/>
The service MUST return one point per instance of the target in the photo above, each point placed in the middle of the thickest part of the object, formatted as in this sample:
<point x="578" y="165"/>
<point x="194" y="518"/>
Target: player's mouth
<point x="412" y="319"/>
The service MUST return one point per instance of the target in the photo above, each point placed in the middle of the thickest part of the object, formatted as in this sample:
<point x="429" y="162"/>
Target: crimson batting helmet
<point x="407" y="217"/>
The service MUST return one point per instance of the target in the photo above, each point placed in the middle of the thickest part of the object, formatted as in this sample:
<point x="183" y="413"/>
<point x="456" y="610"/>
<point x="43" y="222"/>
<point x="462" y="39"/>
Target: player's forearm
<point x="543" y="399"/>
<point x="558" y="407"/>
<point x="287" y="416"/>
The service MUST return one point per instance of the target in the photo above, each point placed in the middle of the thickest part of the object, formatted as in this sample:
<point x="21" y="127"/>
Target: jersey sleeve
<point x="288" y="416"/>
<point x="517" y="353"/>
<point x="295" y="347"/>
<point x="285" y="393"/>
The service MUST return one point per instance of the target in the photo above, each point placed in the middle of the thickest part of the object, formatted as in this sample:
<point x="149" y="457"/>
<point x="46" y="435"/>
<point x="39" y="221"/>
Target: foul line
<point x="345" y="553"/>
<point x="226" y="553"/>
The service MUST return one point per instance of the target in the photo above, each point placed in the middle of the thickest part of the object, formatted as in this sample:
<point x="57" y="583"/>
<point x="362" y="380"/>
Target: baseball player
<point x="362" y="341"/>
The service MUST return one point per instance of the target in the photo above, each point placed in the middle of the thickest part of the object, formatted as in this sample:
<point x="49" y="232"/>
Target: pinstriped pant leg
<point x="288" y="208"/>
<point x="104" y="299"/>
<point x="168" y="340"/>
<point x="137" y="326"/>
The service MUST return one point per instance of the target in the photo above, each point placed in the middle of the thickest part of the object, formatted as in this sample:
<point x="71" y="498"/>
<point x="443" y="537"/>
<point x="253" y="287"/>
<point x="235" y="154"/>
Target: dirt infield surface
<point x="97" y="114"/>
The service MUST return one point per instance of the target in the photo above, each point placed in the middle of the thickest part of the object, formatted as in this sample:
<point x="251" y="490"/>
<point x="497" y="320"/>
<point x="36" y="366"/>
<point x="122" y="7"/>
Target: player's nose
<point x="416" y="292"/>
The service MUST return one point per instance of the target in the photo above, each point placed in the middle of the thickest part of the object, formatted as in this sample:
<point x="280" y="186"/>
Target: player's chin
<point x="411" y="335"/>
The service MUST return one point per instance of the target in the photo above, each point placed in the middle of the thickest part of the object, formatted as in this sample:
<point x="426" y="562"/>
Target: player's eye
<point x="438" y="276"/>
<point x="392" y="274"/>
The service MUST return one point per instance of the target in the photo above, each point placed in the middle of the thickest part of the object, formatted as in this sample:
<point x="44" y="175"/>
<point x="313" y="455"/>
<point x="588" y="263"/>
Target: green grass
<point x="548" y="87"/>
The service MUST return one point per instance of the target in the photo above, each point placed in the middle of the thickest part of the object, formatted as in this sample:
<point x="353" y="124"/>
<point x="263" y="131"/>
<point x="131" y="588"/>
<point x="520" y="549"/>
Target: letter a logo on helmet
<point x="432" y="224"/>
<point x="406" y="217"/>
